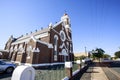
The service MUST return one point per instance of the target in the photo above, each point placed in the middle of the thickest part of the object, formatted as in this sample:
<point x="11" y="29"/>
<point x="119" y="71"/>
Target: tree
<point x="82" y="57"/>
<point x="106" y="56"/>
<point x="98" y="53"/>
<point x="117" y="54"/>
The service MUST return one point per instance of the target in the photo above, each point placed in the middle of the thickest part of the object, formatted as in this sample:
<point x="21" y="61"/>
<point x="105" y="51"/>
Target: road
<point x="4" y="76"/>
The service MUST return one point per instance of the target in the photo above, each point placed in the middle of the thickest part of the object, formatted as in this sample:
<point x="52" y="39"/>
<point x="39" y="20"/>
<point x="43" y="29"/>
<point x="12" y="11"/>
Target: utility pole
<point x="86" y="51"/>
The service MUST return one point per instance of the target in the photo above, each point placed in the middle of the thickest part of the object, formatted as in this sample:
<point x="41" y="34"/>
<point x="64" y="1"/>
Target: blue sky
<point x="95" y="23"/>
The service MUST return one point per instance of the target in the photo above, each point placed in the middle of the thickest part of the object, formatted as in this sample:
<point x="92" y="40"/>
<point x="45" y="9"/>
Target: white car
<point x="7" y="67"/>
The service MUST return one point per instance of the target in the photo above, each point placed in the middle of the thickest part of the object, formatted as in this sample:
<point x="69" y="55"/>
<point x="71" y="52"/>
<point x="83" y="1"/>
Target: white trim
<point x="64" y="36"/>
<point x="55" y="25"/>
<point x="43" y="64"/>
<point x="48" y="44"/>
<point x="21" y="41"/>
<point x="55" y="31"/>
<point x="75" y="72"/>
<point x="28" y="57"/>
<point x="36" y="50"/>
<point x="56" y="36"/>
<point x="61" y="46"/>
<point x="41" y="35"/>
<point x="63" y="52"/>
<point x="1" y="53"/>
<point x="4" y="50"/>
<point x="55" y="42"/>
<point x="64" y="17"/>
<point x="67" y="26"/>
<point x="33" y="38"/>
<point x="68" y="65"/>
<point x="27" y="39"/>
<point x="20" y="52"/>
<point x="66" y="78"/>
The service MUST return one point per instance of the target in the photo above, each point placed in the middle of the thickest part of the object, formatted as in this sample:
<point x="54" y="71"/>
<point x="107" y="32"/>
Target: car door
<point x="2" y="66"/>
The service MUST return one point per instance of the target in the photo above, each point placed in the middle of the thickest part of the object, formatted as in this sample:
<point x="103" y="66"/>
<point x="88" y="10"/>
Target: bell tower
<point x="66" y="22"/>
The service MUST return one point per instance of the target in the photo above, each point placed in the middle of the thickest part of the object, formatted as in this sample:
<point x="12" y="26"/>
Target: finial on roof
<point x="50" y="25"/>
<point x="11" y="36"/>
<point x="65" y="13"/>
<point x="36" y="30"/>
<point x="41" y="28"/>
<point x="26" y="33"/>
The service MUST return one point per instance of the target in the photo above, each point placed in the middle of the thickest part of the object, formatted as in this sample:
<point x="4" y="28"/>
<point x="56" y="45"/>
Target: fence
<point x="56" y="72"/>
<point x="53" y="73"/>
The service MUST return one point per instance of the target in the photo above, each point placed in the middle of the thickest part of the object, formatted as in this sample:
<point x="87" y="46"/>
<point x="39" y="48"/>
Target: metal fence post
<point x="68" y="67"/>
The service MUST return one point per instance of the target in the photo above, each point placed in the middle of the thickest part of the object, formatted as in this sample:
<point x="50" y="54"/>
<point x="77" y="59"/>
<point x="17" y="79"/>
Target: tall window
<point x="15" y="48"/>
<point x="67" y="47"/>
<point x="29" y="49"/>
<point x="70" y="48"/>
<point x="11" y="49"/>
<point x="64" y="53"/>
<point x="20" y="49"/>
<point x="55" y="47"/>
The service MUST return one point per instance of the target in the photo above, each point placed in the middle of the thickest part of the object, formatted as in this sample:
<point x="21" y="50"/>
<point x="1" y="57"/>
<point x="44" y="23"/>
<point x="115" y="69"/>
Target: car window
<point x="2" y="63"/>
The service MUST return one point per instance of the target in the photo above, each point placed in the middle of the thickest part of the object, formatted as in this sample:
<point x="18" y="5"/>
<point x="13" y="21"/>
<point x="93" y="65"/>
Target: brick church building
<point x="49" y="45"/>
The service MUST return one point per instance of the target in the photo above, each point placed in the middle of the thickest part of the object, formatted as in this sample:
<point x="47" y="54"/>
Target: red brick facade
<point x="50" y="45"/>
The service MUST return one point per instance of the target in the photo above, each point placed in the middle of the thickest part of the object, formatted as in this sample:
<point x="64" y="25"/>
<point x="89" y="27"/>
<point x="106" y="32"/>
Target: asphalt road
<point x="4" y="76"/>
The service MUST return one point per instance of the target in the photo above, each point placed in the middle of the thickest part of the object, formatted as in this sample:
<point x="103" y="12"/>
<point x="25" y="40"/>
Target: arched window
<point x="55" y="47"/>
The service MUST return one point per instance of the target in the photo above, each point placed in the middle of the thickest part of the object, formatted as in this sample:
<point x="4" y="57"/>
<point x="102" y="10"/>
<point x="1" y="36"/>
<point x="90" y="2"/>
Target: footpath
<point x="94" y="72"/>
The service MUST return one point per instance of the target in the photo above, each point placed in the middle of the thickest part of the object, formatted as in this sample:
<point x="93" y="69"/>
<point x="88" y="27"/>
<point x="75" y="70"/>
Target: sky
<point x="94" y="23"/>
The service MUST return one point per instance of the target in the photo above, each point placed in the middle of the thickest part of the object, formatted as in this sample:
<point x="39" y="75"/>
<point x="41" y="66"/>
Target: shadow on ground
<point x="5" y="76"/>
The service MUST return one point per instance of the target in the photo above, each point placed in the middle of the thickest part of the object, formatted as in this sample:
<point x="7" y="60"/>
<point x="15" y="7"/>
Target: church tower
<point x="66" y="22"/>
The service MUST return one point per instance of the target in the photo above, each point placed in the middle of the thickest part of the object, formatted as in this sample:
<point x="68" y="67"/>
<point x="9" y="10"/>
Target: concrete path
<point x="98" y="74"/>
<point x="94" y="72"/>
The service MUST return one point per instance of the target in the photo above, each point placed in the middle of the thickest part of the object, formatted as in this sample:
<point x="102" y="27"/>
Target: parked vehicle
<point x="106" y="60"/>
<point x="7" y="67"/>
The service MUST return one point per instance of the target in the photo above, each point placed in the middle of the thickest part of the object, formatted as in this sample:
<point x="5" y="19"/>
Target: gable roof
<point x="27" y="37"/>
